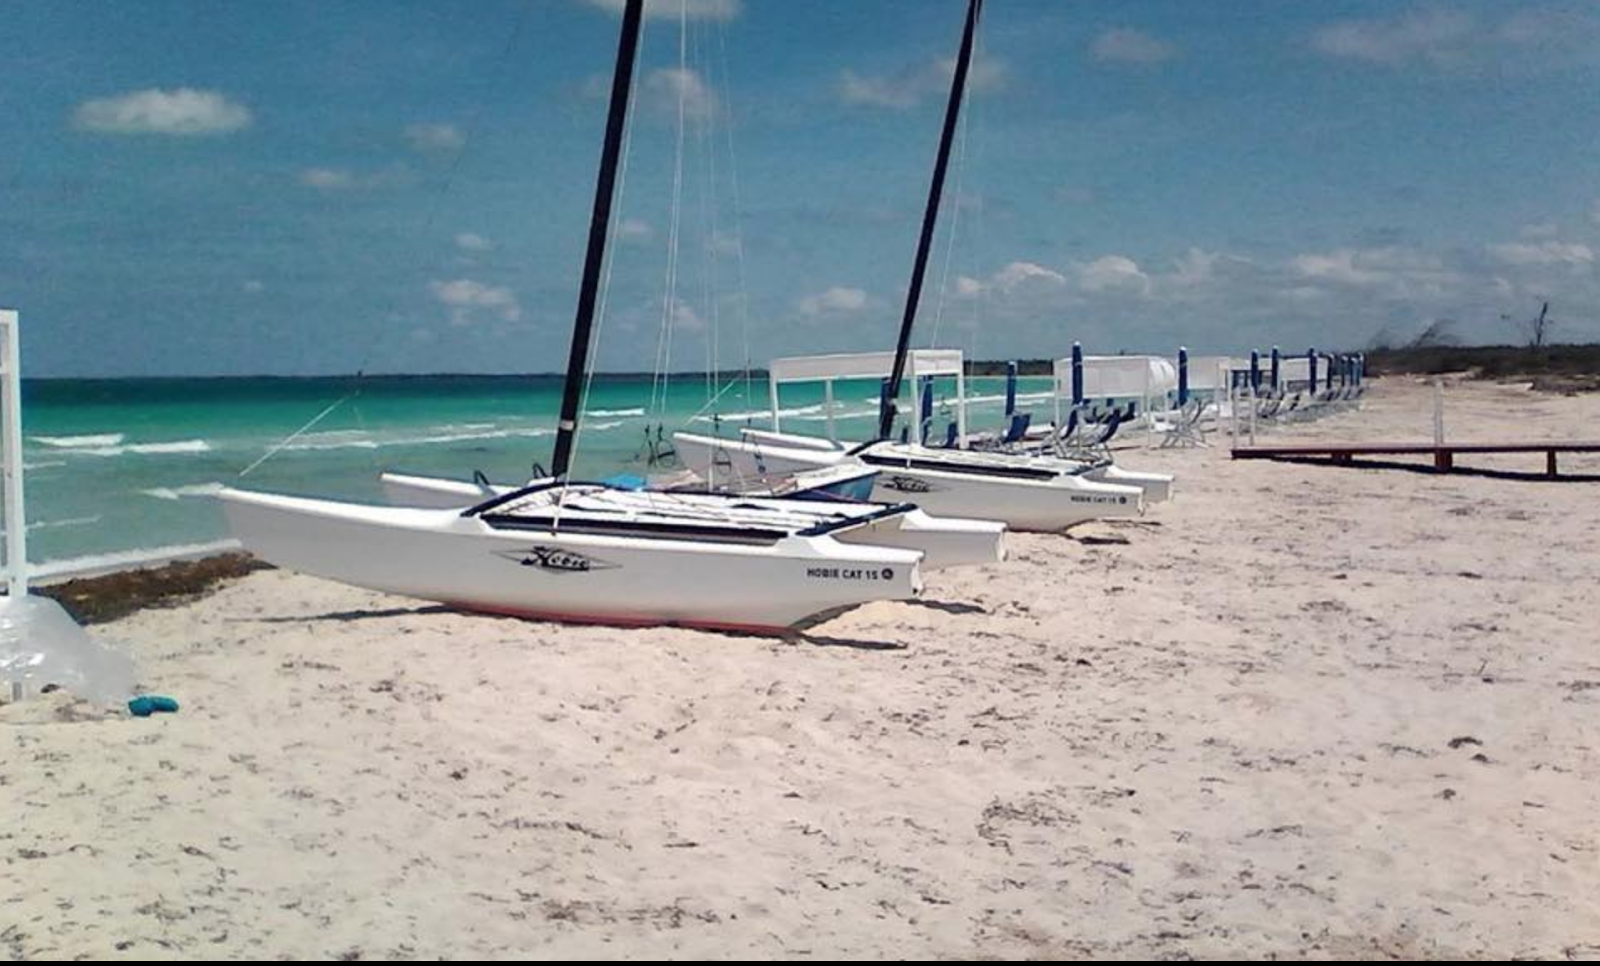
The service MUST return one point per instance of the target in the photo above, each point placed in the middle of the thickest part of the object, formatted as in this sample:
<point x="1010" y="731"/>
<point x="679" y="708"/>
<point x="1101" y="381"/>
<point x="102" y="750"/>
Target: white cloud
<point x="634" y="230"/>
<point x="1017" y="274"/>
<point x="1433" y="35"/>
<point x="472" y="242"/>
<point x="834" y="301"/>
<point x="254" y="287"/>
<point x="1439" y="36"/>
<point x="684" y="317"/>
<point x="435" y="137"/>
<point x="182" y="112"/>
<point x="327" y="179"/>
<point x="911" y="86"/>
<point x="1550" y="252"/>
<point x="1391" y="271"/>
<point x="666" y="86"/>
<point x="343" y="179"/>
<point x="1124" y="45"/>
<point x="466" y="298"/>
<point x="673" y="9"/>
<point x="1112" y="273"/>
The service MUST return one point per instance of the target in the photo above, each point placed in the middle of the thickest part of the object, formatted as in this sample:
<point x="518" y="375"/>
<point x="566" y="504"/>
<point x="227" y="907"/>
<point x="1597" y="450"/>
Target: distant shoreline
<point x="1492" y="361"/>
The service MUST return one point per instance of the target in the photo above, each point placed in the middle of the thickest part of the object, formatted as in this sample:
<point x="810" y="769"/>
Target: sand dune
<point x="1299" y="711"/>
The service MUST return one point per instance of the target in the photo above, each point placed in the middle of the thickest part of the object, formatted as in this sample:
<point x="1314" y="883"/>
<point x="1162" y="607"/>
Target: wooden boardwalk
<point x="1444" y="455"/>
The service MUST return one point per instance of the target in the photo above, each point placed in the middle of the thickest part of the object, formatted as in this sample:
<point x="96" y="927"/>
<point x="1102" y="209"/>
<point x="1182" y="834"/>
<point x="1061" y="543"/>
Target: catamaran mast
<point x="599" y="222"/>
<point x="958" y="84"/>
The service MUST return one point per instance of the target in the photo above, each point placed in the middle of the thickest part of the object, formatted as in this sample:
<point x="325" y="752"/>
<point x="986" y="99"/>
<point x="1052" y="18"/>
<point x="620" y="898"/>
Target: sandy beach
<point x="1299" y="711"/>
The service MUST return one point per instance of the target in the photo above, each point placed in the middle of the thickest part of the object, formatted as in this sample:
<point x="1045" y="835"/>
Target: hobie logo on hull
<point x="556" y="560"/>
<point x="906" y="484"/>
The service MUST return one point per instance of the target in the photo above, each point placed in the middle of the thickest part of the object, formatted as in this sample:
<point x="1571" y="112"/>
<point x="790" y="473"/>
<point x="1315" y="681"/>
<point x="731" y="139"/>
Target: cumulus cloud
<point x="472" y="242"/>
<point x="1551" y="252"/>
<point x="911" y="86"/>
<point x="1443" y="37"/>
<point x="1124" y="45"/>
<point x="467" y="299"/>
<point x="343" y="179"/>
<point x="181" y="112"/>
<point x="673" y="9"/>
<point x="834" y="301"/>
<point x="435" y="137"/>
<point x="1112" y="272"/>
<point x="665" y="87"/>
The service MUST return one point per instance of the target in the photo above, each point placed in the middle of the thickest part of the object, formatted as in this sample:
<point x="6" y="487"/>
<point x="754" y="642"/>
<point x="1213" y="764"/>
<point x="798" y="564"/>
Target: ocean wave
<point x="70" y="522"/>
<point x="760" y="414"/>
<point x="179" y="492"/>
<point x="602" y="413"/>
<point x="150" y="449"/>
<point x="101" y="563"/>
<point x="43" y="465"/>
<point x="80" y="442"/>
<point x="355" y="440"/>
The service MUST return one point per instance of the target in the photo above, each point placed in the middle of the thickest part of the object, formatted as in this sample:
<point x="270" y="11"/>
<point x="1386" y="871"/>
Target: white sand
<point x="1301" y="711"/>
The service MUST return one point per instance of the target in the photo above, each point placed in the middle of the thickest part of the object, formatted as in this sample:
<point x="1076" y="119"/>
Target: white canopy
<point x="1294" y="369"/>
<point x="1121" y="377"/>
<point x="869" y="365"/>
<point x="1210" y="373"/>
<point x="864" y="365"/>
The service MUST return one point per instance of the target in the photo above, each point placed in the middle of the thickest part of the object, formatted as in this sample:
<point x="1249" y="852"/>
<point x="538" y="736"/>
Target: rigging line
<point x="738" y="213"/>
<point x="611" y="250"/>
<point x="661" y="383"/>
<point x="319" y="417"/>
<point x="979" y="218"/>
<point x="954" y="229"/>
<point x="710" y="277"/>
<point x="452" y="172"/>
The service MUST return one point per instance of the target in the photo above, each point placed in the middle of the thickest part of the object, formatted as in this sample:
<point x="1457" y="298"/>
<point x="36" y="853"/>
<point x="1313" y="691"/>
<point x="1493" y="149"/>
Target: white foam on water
<point x="760" y="414"/>
<point x="179" y="492"/>
<point x="602" y="413"/>
<point x="69" y="522"/>
<point x="79" y="442"/>
<point x="175" y="447"/>
<point x="105" y="563"/>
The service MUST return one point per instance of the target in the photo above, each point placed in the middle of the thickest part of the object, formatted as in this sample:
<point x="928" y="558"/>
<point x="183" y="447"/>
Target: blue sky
<point x="236" y="187"/>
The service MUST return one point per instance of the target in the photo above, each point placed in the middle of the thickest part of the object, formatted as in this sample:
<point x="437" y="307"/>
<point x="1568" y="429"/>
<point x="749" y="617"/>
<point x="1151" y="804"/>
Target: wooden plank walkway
<point x="1443" y="455"/>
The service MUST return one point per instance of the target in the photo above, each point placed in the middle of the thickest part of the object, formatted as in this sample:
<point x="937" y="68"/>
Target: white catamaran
<point x="1030" y="492"/>
<point x="591" y="552"/>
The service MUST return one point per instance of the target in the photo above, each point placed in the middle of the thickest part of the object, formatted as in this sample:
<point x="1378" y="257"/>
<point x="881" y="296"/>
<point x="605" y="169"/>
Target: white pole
<point x="961" y="407"/>
<point x="1438" y="411"/>
<point x="16" y="519"/>
<point x="827" y="395"/>
<point x="772" y="389"/>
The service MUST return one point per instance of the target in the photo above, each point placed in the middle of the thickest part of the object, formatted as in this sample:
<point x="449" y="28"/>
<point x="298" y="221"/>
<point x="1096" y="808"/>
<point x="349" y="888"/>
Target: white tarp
<point x="40" y="645"/>
<point x="1120" y="377"/>
<point x="1294" y="369"/>
<point x="1209" y="373"/>
<point x="864" y="365"/>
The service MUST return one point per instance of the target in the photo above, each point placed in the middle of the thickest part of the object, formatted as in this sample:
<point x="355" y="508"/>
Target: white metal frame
<point x="16" y="519"/>
<point x="826" y="369"/>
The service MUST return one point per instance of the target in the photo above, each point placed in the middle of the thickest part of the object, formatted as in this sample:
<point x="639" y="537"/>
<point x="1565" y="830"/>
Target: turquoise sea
<point x="120" y="466"/>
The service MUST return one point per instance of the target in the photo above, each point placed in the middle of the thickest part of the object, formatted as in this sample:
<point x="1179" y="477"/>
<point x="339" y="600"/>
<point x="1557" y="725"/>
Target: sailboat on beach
<point x="567" y="550"/>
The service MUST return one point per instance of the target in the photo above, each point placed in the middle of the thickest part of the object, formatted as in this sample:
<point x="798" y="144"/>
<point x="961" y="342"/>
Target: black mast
<point x="599" y="223"/>
<point x="958" y="84"/>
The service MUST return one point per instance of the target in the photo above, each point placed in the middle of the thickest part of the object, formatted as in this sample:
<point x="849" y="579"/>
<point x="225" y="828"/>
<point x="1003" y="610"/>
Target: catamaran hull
<point x="1056" y="503"/>
<point x="1157" y="487"/>
<point x="944" y="542"/>
<point x="440" y="555"/>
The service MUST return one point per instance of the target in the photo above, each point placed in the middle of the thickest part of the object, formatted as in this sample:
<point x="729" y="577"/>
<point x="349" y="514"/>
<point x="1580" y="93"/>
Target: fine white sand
<point x="1299" y="711"/>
